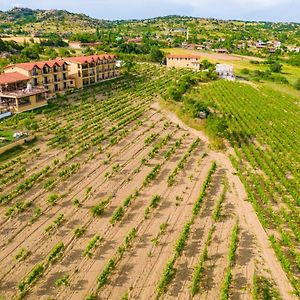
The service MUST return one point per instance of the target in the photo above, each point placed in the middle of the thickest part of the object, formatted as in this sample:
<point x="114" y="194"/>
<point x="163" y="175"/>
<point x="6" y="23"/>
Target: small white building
<point x="225" y="71"/>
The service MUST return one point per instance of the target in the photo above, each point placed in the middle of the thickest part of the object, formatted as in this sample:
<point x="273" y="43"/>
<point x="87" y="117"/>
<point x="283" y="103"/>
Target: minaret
<point x="187" y="34"/>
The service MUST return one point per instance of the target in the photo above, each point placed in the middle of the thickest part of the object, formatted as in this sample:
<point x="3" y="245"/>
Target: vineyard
<point x="115" y="200"/>
<point x="264" y="134"/>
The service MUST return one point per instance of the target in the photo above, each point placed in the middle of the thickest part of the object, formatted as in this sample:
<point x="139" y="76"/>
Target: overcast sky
<point x="270" y="10"/>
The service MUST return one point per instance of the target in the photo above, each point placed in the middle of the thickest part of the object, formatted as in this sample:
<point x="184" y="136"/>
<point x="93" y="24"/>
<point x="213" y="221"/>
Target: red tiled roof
<point x="39" y="64"/>
<point x="26" y="66"/>
<point x="183" y="56"/>
<point x="12" y="77"/>
<point x="89" y="59"/>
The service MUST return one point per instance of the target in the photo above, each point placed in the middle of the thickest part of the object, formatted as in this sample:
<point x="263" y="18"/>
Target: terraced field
<point x="119" y="200"/>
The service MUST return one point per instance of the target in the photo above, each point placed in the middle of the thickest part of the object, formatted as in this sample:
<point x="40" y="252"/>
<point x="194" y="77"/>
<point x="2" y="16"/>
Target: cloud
<point x="261" y="3"/>
<point x="217" y="4"/>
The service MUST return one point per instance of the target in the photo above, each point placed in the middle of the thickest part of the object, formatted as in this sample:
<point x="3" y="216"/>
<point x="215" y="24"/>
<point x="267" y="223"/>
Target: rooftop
<point x="196" y="56"/>
<point x="12" y="77"/>
<point x="39" y="64"/>
<point x="90" y="59"/>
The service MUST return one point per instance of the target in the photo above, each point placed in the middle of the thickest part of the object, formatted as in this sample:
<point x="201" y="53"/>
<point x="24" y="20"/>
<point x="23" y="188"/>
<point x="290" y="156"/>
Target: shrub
<point x="245" y="71"/>
<point x="276" y="67"/>
<point x="297" y="84"/>
<point x="52" y="199"/>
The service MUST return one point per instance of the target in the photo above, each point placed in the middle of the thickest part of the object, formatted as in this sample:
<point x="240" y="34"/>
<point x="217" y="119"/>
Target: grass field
<point x="121" y="200"/>
<point x="7" y="135"/>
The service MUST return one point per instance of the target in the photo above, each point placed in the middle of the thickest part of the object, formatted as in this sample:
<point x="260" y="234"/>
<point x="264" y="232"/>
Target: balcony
<point x="23" y="93"/>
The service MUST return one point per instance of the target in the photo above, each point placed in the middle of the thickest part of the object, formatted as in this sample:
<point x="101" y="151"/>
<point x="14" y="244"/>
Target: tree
<point x="98" y="33"/>
<point x="205" y="64"/>
<point x="174" y="93"/>
<point x="51" y="53"/>
<point x="276" y="67"/>
<point x="156" y="55"/>
<point x="129" y="64"/>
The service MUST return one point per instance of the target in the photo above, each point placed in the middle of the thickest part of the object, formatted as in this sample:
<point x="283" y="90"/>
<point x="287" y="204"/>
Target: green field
<point x="8" y="135"/>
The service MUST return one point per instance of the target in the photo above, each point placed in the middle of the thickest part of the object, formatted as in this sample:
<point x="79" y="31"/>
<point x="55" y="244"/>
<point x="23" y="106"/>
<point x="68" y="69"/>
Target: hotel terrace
<point x="26" y="86"/>
<point x="184" y="61"/>
<point x="18" y="95"/>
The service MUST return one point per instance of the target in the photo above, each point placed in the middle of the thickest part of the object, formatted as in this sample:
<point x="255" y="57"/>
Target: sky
<point x="258" y="10"/>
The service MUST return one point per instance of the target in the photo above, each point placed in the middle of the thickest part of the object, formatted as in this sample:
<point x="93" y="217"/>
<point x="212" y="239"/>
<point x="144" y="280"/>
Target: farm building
<point x="225" y="71"/>
<point x="184" y="61"/>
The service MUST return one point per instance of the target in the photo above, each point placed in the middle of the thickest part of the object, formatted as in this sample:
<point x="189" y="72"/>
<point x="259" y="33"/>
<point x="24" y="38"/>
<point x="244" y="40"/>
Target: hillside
<point x="40" y="22"/>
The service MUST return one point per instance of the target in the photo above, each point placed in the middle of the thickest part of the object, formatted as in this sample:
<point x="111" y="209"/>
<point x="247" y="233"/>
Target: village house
<point x="221" y="51"/>
<point x="225" y="71"/>
<point x="184" y="61"/>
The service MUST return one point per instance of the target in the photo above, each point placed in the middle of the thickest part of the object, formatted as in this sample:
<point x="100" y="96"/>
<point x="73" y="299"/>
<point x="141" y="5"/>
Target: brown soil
<point x="140" y="269"/>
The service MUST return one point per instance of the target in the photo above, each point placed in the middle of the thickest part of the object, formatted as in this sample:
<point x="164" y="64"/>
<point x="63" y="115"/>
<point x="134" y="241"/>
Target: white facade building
<point x="225" y="71"/>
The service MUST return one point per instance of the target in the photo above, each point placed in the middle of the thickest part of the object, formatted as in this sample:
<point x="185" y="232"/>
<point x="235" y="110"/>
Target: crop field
<point x="264" y="133"/>
<point x="119" y="200"/>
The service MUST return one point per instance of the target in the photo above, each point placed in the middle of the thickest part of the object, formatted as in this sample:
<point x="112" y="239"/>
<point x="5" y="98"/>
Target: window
<point x="34" y="72"/>
<point x="24" y="101"/>
<point x="40" y="97"/>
